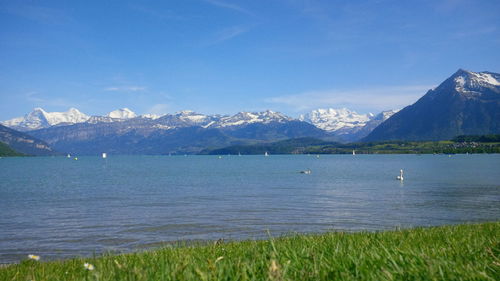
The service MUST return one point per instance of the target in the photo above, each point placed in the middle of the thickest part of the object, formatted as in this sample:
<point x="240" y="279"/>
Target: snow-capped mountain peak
<point x="331" y="119"/>
<point x="244" y="118"/>
<point x="151" y="116"/>
<point x="39" y="118"/>
<point x="71" y="116"/>
<point x="467" y="81"/>
<point x="122" y="113"/>
<point x="192" y="117"/>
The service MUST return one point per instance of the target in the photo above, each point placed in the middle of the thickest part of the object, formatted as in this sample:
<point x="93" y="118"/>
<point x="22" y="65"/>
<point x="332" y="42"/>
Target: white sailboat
<point x="104" y="155"/>
<point x="353" y="152"/>
<point x="266" y="154"/>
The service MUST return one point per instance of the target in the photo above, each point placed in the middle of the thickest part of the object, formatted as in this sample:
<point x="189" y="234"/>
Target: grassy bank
<point x="462" y="252"/>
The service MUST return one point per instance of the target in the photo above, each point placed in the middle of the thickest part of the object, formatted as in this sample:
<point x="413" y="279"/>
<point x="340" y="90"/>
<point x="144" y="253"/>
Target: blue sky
<point x="222" y="56"/>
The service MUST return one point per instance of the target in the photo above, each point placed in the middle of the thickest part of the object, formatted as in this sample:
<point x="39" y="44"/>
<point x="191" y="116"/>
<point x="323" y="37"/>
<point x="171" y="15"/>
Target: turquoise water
<point x="59" y="207"/>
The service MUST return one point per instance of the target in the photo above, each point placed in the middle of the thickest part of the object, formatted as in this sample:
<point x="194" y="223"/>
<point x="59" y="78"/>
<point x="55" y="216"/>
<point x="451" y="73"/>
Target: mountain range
<point x="184" y="132"/>
<point x="465" y="103"/>
<point x="123" y="131"/>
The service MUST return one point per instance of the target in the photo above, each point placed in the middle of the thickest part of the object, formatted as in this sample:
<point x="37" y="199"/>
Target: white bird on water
<point x="400" y="177"/>
<point x="307" y="172"/>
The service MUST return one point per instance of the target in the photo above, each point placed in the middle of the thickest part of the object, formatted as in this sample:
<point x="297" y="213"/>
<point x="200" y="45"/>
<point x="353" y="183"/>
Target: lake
<point x="58" y="207"/>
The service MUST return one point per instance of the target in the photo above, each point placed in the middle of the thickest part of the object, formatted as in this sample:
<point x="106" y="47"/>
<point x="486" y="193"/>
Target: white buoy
<point x="400" y="177"/>
<point x="104" y="155"/>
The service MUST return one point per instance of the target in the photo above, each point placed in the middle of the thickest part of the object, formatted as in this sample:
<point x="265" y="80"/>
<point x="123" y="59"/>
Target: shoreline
<point x="186" y="243"/>
<point x="358" y="152"/>
<point x="456" y="250"/>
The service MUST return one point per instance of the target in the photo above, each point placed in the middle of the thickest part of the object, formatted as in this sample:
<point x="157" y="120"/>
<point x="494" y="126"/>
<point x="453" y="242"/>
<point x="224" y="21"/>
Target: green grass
<point x="461" y="252"/>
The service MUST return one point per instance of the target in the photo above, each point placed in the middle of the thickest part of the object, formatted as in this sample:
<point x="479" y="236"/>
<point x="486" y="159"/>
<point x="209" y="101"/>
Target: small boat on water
<point x="69" y="155"/>
<point x="307" y="172"/>
<point x="353" y="152"/>
<point x="104" y="155"/>
<point x="266" y="154"/>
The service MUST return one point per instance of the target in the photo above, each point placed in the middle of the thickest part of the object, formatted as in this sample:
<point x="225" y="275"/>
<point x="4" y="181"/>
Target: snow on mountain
<point x="466" y="103"/>
<point x="192" y="117"/>
<point x="102" y="119"/>
<point x="468" y="82"/>
<point x="373" y="123"/>
<point x="245" y="118"/>
<point x="71" y="116"/>
<point x="36" y="119"/>
<point x="336" y="119"/>
<point x="188" y="118"/>
<point x="122" y="113"/>
<point x="185" y="118"/>
<point x="39" y="118"/>
<point x="13" y="122"/>
<point x="151" y="116"/>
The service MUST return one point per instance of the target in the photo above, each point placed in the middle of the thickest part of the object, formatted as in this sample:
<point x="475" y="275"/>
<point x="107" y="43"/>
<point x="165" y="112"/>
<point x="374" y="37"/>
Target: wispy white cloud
<point x="32" y="97"/>
<point x="379" y="98"/>
<point x="125" y="89"/>
<point x="229" y="6"/>
<point x="36" y="99"/>
<point x="228" y="33"/>
<point x="159" y="109"/>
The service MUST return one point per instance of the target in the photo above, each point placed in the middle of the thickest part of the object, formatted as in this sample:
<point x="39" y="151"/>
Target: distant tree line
<point x="477" y="138"/>
<point x="460" y="144"/>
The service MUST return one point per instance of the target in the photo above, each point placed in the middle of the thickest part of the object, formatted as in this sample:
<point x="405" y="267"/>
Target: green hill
<point x="460" y="144"/>
<point x="5" y="150"/>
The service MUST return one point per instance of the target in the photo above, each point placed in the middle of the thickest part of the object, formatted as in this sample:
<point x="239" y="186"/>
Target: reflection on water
<point x="58" y="208"/>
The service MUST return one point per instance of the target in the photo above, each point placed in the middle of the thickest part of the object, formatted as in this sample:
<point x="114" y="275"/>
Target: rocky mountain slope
<point x="24" y="143"/>
<point x="467" y="103"/>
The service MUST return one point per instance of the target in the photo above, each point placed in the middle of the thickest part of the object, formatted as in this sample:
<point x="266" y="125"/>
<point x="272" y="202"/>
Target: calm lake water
<point x="58" y="207"/>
